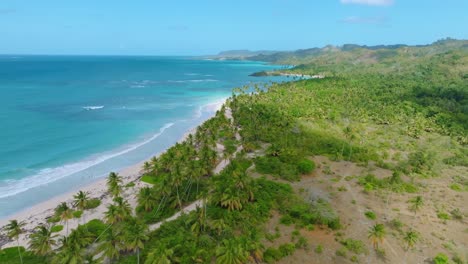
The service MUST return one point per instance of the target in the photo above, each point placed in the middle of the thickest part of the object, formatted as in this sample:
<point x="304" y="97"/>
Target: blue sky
<point x="176" y="27"/>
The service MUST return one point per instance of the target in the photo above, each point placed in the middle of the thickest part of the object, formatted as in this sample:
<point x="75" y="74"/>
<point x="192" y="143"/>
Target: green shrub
<point x="441" y="258"/>
<point x="272" y="254"/>
<point x="456" y="187"/>
<point x="457" y="214"/>
<point x="287" y="249"/>
<point x="77" y="214"/>
<point x="302" y="243"/>
<point x="149" y="179"/>
<point x="319" y="249"/>
<point x="96" y="227"/>
<point x="443" y="216"/>
<point x="396" y="224"/>
<point x="10" y="256"/>
<point x="92" y="203"/>
<point x="130" y="184"/>
<point x="306" y="166"/>
<point x="341" y="252"/>
<point x="286" y="220"/>
<point x="53" y="219"/>
<point x="56" y="228"/>
<point x="355" y="246"/>
<point x="370" y="214"/>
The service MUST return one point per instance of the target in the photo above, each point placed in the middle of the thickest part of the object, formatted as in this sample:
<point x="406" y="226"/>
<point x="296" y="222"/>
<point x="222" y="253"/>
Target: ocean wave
<point x="192" y="81"/>
<point x="93" y="107"/>
<point x="210" y="107"/>
<point x="48" y="175"/>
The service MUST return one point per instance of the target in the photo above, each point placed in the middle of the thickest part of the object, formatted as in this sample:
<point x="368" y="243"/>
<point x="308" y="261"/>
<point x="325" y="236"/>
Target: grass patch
<point x="371" y="215"/>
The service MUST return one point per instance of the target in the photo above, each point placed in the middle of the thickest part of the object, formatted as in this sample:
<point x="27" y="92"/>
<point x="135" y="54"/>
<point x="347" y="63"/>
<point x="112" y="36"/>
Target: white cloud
<point x="369" y="2"/>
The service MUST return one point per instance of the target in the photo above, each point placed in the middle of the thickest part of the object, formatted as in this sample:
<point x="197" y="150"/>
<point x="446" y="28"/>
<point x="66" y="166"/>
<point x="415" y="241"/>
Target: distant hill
<point x="241" y="54"/>
<point x="352" y="53"/>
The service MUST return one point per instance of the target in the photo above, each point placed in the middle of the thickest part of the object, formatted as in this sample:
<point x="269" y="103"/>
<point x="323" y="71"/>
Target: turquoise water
<point x="69" y="120"/>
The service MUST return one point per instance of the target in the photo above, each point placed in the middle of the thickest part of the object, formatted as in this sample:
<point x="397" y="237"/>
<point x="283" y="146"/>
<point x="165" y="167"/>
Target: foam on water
<point x="49" y="175"/>
<point x="92" y="107"/>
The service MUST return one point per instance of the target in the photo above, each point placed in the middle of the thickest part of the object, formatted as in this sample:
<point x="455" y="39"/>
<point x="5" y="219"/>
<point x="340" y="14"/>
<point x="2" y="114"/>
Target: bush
<point x="287" y="249"/>
<point x="319" y="249"/>
<point x="341" y="252"/>
<point x="130" y="184"/>
<point x="370" y="215"/>
<point x="306" y="166"/>
<point x="355" y="246"/>
<point x="95" y="227"/>
<point x="271" y="255"/>
<point x="92" y="203"/>
<point x="286" y="220"/>
<point x="56" y="228"/>
<point x="441" y="258"/>
<point x="396" y="223"/>
<point x="77" y="214"/>
<point x="149" y="179"/>
<point x="10" y="256"/>
<point x="443" y="216"/>
<point x="53" y="219"/>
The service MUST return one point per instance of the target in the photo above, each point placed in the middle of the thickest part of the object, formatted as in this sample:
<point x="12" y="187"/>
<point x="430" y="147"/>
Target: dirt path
<point x="199" y="203"/>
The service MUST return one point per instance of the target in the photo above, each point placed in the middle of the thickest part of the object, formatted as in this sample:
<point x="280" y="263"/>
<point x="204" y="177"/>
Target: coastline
<point x="37" y="214"/>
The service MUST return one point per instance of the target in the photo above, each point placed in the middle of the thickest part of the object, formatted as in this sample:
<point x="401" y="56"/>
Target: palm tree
<point x="14" y="229"/>
<point x="73" y="247"/>
<point x="146" y="199"/>
<point x="112" y="244"/>
<point x="231" y="252"/>
<point x="114" y="182"/>
<point x="135" y="236"/>
<point x="147" y="167"/>
<point x="70" y="253"/>
<point x="81" y="200"/>
<point x="65" y="213"/>
<point x="42" y="240"/>
<point x="124" y="207"/>
<point x="411" y="237"/>
<point x="231" y="199"/>
<point x="376" y="234"/>
<point x="112" y="215"/>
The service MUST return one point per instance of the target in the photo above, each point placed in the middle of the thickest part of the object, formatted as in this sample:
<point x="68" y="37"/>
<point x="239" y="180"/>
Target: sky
<point x="176" y="27"/>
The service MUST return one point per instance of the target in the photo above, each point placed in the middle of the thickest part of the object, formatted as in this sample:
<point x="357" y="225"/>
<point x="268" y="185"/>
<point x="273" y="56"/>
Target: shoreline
<point x="37" y="213"/>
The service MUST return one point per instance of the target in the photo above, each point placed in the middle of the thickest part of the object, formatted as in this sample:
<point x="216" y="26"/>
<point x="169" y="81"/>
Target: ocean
<point x="68" y="120"/>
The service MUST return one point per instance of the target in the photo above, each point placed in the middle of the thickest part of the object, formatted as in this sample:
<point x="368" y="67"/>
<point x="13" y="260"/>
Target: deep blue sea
<point x="67" y="120"/>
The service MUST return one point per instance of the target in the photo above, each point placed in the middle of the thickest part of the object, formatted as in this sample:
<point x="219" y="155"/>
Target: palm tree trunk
<point x="138" y="256"/>
<point x="19" y="251"/>
<point x="178" y="198"/>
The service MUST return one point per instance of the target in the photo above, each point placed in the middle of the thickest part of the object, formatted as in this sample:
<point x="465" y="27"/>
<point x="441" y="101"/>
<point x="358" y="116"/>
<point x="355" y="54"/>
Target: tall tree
<point x="80" y="201"/>
<point x="65" y="213"/>
<point x="146" y="199"/>
<point x="135" y="236"/>
<point x="114" y="182"/>
<point x="111" y="244"/>
<point x="42" y="240"/>
<point x="14" y="229"/>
